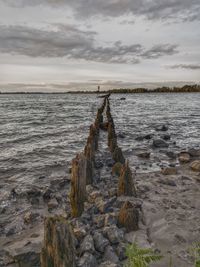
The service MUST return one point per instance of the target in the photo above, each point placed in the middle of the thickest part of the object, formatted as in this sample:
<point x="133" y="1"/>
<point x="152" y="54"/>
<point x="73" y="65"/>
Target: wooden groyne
<point x="102" y="211"/>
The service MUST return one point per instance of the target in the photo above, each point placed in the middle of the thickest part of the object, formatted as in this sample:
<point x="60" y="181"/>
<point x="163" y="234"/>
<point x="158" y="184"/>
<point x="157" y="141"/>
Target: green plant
<point x="140" y="257"/>
<point x="195" y="253"/>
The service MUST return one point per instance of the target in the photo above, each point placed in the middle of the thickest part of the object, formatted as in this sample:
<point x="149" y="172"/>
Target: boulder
<point x="87" y="245"/>
<point x="194" y="152"/>
<point x="128" y="217"/>
<point x="195" y="165"/>
<point x="144" y="154"/>
<point x="53" y="203"/>
<point x="159" y="143"/>
<point x="114" y="234"/>
<point x="169" y="171"/>
<point x="100" y="242"/>
<point x="184" y="157"/>
<point x="87" y="260"/>
<point x="110" y="255"/>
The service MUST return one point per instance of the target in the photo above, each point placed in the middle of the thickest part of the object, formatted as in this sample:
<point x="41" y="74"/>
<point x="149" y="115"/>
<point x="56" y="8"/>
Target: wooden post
<point x="118" y="155"/>
<point x="58" y="247"/>
<point x="78" y="185"/>
<point x="126" y="186"/>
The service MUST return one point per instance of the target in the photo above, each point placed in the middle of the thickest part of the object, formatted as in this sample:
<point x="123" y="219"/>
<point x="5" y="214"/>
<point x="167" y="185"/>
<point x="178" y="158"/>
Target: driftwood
<point x="58" y="248"/>
<point x="126" y="186"/>
<point x="78" y="185"/>
<point x="128" y="217"/>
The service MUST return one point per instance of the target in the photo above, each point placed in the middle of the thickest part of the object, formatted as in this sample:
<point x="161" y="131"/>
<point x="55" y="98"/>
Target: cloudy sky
<point x="60" y="44"/>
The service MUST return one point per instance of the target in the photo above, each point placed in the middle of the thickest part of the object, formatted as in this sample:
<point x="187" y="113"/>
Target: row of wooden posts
<point x="82" y="171"/>
<point x="58" y="247"/>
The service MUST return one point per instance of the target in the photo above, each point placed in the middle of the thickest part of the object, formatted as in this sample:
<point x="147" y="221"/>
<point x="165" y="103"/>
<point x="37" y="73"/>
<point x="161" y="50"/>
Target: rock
<point x="112" y="192"/>
<point x="87" y="260"/>
<point x="166" y="137"/>
<point x="110" y="162"/>
<point x="194" y="152"/>
<point x="87" y="245"/>
<point x="159" y="143"/>
<point x="114" y="234"/>
<point x="48" y="194"/>
<point x="121" y="251"/>
<point x="25" y="254"/>
<point x="195" y="165"/>
<point x="79" y="233"/>
<point x="162" y="128"/>
<point x="169" y="182"/>
<point x="184" y="157"/>
<point x="52" y="204"/>
<point x="144" y="154"/>
<point x="99" y="220"/>
<point x="123" y="98"/>
<point x="98" y="164"/>
<point x="105" y="206"/>
<point x="59" y="247"/>
<point x="171" y="154"/>
<point x="110" y="219"/>
<point x="128" y="217"/>
<point x="100" y="242"/>
<point x="116" y="169"/>
<point x="29" y="217"/>
<point x="169" y="171"/>
<point x="140" y="237"/>
<point x="108" y="264"/>
<point x="94" y="195"/>
<point x="110" y="255"/>
<point x="121" y="135"/>
<point x="142" y="137"/>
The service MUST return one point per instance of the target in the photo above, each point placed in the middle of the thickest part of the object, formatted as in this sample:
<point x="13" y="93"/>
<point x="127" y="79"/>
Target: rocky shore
<point x="88" y="218"/>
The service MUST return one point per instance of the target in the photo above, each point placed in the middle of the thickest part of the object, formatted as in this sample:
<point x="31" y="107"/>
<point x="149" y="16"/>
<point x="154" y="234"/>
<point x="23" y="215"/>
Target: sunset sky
<point x="77" y="44"/>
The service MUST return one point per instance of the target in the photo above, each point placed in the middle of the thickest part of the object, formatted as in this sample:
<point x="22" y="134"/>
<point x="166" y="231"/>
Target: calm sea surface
<point x="40" y="134"/>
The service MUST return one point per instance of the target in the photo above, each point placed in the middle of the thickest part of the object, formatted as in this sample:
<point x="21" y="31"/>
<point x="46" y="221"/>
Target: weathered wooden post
<point x="58" y="248"/>
<point x="128" y="217"/>
<point x="78" y="185"/>
<point x="118" y="155"/>
<point x="126" y="186"/>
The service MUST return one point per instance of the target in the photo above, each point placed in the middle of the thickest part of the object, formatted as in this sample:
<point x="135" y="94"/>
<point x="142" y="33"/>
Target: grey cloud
<point x="185" y="66"/>
<point x="71" y="42"/>
<point x="157" y="9"/>
<point x="160" y="50"/>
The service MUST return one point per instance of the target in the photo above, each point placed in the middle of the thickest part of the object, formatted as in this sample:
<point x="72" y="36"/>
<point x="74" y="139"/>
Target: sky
<point x="56" y="45"/>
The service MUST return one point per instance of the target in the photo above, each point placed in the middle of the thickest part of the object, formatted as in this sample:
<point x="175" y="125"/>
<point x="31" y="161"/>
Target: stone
<point x="169" y="182"/>
<point x="162" y="128"/>
<point x="144" y="154"/>
<point x="52" y="204"/>
<point x="99" y="220"/>
<point x="159" y="143"/>
<point x="105" y="206"/>
<point x="121" y="135"/>
<point x="169" y="171"/>
<point x="118" y="155"/>
<point x="116" y="169"/>
<point x="48" y="194"/>
<point x="110" y="218"/>
<point x="121" y="251"/>
<point x="194" y="152"/>
<point x="98" y="164"/>
<point x="184" y="157"/>
<point x="140" y="237"/>
<point x="25" y="254"/>
<point x="195" y="165"/>
<point x="128" y="217"/>
<point x="110" y="255"/>
<point x="110" y="162"/>
<point x="87" y="260"/>
<point x="114" y="234"/>
<point x="108" y="264"/>
<point x="87" y="245"/>
<point x="125" y="185"/>
<point x="100" y="242"/>
<point x="59" y="247"/>
<point x="30" y="217"/>
<point x="79" y="233"/>
<point x="166" y="137"/>
<point x="171" y="154"/>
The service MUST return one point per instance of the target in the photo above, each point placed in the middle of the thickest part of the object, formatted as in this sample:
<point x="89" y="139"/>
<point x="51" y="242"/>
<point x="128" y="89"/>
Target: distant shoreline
<point x="185" y="89"/>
